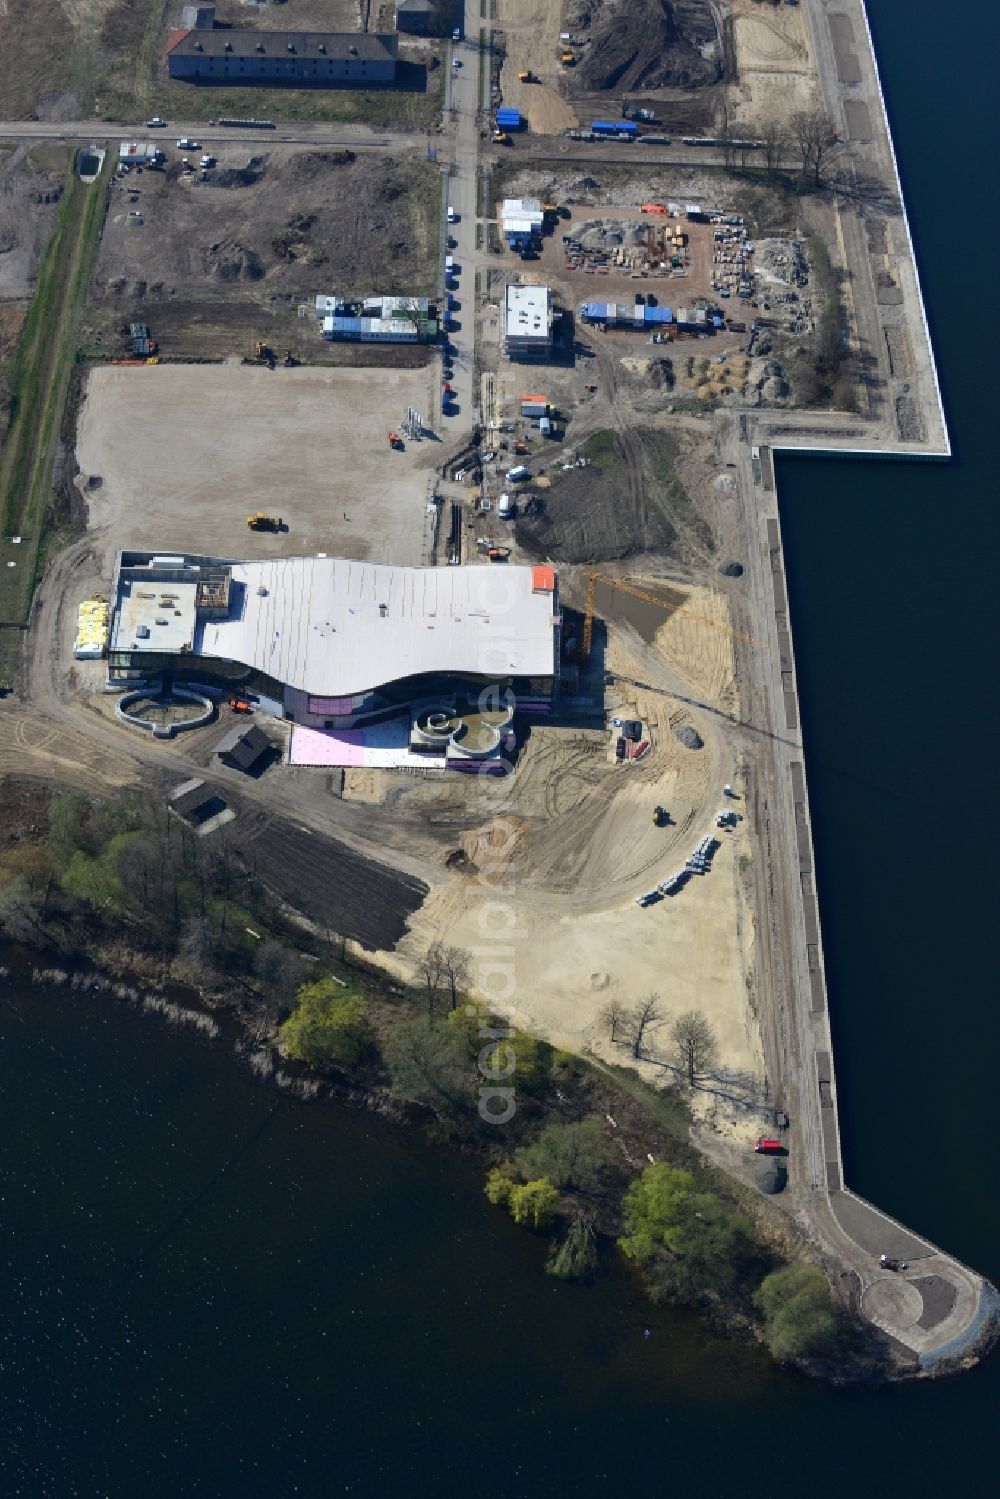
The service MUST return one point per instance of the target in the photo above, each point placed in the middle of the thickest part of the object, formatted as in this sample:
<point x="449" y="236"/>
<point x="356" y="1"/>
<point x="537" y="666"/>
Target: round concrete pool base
<point x="165" y="728"/>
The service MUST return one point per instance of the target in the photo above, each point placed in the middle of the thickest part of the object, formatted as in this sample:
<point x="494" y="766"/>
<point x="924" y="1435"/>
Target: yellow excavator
<point x="261" y="522"/>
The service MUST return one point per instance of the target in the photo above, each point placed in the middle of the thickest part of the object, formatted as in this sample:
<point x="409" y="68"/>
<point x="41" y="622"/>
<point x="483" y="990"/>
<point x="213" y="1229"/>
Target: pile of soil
<point x="230" y="261"/>
<point x="689" y="737"/>
<point x="646" y="44"/>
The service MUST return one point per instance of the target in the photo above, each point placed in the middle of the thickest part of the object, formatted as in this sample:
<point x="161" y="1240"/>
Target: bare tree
<point x="638" y="1021"/>
<point x="456" y="967"/>
<point x="432" y="971"/>
<point x="817" y="141"/>
<point x="613" y="1016"/>
<point x="773" y="136"/>
<point x="695" y="1041"/>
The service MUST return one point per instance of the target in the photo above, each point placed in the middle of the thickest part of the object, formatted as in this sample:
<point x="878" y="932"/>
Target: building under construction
<point x="394" y="320"/>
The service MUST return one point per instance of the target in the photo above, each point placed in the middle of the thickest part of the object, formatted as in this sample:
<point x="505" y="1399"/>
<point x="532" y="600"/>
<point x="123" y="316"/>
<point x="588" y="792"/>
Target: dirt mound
<point x="646" y="44"/>
<point x="313" y="164"/>
<point x="689" y="737"/>
<point x="236" y="176"/>
<point x="230" y="261"/>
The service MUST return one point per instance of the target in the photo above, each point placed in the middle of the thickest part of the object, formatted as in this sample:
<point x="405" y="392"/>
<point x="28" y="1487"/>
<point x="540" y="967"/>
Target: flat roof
<point x="332" y="627"/>
<point x="362" y="45"/>
<point x="154" y="616"/>
<point x="527" y="312"/>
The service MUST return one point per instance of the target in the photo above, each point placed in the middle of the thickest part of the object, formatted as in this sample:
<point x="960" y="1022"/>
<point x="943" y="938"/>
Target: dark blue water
<point x="209" y="1289"/>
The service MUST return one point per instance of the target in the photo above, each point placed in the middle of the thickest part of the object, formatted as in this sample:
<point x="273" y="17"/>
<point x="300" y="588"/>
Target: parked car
<point x="155" y="123"/>
<point x="456" y="62"/>
<point x="185" y="143"/>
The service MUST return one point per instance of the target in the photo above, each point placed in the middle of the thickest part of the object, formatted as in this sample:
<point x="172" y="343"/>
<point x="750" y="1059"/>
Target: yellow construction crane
<point x="649" y="598"/>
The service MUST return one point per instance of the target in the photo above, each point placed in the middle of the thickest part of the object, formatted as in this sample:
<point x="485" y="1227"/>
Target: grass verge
<point x="39" y="385"/>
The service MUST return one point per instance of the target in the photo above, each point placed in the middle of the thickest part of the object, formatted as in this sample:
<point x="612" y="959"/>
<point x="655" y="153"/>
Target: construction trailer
<point x="510" y="119"/>
<point x="522" y="222"/>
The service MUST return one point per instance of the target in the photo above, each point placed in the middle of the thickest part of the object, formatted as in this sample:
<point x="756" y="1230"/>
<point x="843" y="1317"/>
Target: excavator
<point x="395" y="442"/>
<point x="264" y="354"/>
<point x="261" y="522"/>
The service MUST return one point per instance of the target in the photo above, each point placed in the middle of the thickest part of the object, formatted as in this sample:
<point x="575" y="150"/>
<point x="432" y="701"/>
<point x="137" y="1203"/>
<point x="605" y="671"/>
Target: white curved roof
<point x="332" y="627"/>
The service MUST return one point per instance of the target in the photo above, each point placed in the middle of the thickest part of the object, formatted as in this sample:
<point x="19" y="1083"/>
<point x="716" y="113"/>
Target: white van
<point x="449" y="264"/>
<point x="452" y="215"/>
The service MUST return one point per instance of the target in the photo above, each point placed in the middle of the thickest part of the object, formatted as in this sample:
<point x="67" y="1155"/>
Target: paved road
<point x="462" y="129"/>
<point x="296" y="132"/>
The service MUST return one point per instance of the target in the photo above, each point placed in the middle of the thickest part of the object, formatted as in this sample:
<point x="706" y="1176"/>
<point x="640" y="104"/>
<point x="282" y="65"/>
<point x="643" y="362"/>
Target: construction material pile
<point x="91" y="630"/>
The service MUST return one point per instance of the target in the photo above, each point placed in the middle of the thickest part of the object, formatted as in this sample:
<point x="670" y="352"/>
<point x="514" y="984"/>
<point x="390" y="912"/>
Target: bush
<point x="328" y="1027"/>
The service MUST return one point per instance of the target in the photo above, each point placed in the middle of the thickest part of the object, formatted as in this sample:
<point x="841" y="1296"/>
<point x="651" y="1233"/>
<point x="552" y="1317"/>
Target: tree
<point x="799" y="1319"/>
<point x="712" y="1246"/>
<point x="571" y="1155"/>
<point x="774" y="138"/>
<point x="279" y="972"/>
<point x="197" y="950"/>
<point x="432" y="969"/>
<point x="534" y="1203"/>
<point x="651" y="1209"/>
<point x="695" y="1042"/>
<point x="688" y="1243"/>
<point x="613" y="1016"/>
<point x="38" y="866"/>
<point x="20" y="909"/>
<point x="456" y="967"/>
<point x="327" y="1027"/>
<point x="638" y="1021"/>
<point x="575" y="1257"/>
<point x="430" y="1063"/>
<point x="816" y="139"/>
<point x="531" y="1202"/>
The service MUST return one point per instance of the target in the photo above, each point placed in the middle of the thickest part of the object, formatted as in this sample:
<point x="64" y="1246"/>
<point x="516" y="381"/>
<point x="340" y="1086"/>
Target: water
<point x="210" y="1289"/>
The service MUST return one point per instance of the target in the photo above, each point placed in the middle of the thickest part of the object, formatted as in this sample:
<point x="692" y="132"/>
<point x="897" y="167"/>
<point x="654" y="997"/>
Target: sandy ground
<point x="777" y="75"/>
<point x="559" y="851"/>
<point x="531" y="35"/>
<point x="185" y="453"/>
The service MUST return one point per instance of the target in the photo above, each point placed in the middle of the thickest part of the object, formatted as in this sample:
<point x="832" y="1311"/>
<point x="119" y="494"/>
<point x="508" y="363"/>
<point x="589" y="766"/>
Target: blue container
<point x="509" y="119"/>
<point x="604" y="127"/>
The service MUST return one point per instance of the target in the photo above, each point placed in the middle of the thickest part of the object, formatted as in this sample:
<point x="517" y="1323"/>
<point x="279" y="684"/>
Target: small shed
<point x="243" y="749"/>
<point x="198" y="17"/>
<point x="414" y="16"/>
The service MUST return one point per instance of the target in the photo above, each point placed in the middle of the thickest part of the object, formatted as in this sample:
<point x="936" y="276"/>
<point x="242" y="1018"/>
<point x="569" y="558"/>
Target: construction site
<point x="219" y="256"/>
<point x="350" y="407"/>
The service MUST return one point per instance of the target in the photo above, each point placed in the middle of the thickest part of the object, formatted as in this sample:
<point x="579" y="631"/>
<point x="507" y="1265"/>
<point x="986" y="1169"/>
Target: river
<point x="213" y="1289"/>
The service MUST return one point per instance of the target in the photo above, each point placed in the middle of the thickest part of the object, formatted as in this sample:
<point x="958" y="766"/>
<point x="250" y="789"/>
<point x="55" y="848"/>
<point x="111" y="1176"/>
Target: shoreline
<point x="222" y="1024"/>
<point x="925" y="1324"/>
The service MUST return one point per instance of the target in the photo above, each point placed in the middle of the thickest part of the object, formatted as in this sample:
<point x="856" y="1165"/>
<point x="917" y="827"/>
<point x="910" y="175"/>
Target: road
<point x="461" y="116"/>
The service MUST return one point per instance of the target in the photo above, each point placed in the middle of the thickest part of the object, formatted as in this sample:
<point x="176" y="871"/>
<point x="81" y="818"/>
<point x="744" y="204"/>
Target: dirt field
<point x="339" y="889"/>
<point x="554" y="856"/>
<point x="218" y="442"/>
<point x="31" y="183"/>
<point x="214" y="265"/>
<point x="775" y="70"/>
<point x="68" y="59"/>
<point x="663" y="54"/>
<point x="588" y="514"/>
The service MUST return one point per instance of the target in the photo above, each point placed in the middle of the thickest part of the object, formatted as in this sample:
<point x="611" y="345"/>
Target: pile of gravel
<point x="689" y="737"/>
<point x="731" y="569"/>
